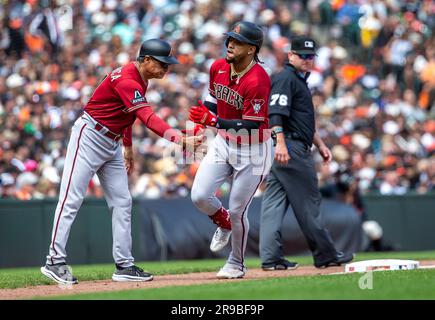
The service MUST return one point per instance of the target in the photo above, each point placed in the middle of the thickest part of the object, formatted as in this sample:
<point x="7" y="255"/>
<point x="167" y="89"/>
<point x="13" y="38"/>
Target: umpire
<point x="293" y="178"/>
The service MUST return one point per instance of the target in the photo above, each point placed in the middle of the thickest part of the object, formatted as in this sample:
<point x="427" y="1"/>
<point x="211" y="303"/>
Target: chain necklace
<point x="241" y="73"/>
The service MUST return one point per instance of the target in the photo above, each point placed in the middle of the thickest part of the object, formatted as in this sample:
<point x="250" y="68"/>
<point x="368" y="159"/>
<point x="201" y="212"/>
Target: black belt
<point x="297" y="136"/>
<point x="294" y="135"/>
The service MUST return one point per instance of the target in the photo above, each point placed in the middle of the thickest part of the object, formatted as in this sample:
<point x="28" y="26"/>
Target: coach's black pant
<point x="293" y="184"/>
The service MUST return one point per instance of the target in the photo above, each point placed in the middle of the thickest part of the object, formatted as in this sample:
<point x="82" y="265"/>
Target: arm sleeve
<point x="131" y="94"/>
<point x="237" y="124"/>
<point x="276" y="120"/>
<point x="255" y="104"/>
<point x="127" y="138"/>
<point x="157" y="125"/>
<point x="280" y="96"/>
<point x="211" y="103"/>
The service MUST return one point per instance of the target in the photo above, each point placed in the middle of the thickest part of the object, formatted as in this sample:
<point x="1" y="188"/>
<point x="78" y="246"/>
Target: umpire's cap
<point x="247" y="32"/>
<point x="158" y="49"/>
<point x="303" y="45"/>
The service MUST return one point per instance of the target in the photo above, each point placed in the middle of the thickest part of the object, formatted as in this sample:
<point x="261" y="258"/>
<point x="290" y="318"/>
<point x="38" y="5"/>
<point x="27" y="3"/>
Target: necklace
<point x="241" y="73"/>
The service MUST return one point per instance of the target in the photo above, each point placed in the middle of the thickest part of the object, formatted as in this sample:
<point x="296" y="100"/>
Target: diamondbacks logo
<point x="137" y="97"/>
<point x="257" y="104"/>
<point x="237" y="29"/>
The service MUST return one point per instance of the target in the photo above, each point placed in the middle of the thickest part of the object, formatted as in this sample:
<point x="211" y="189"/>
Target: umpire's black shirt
<point x="291" y="99"/>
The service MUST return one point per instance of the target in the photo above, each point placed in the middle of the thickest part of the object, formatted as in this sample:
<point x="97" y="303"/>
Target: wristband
<point x="278" y="130"/>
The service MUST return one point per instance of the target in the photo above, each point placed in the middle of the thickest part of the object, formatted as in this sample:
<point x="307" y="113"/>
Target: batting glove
<point x="198" y="128"/>
<point x="200" y="114"/>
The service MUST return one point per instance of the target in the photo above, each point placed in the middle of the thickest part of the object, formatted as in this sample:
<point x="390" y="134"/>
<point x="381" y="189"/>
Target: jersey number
<point x="281" y="98"/>
<point x="114" y="75"/>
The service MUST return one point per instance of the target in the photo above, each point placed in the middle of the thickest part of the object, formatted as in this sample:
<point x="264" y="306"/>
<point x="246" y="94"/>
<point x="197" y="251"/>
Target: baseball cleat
<point x="339" y="259"/>
<point x="220" y="239"/>
<point x="131" y="273"/>
<point x="231" y="271"/>
<point x="59" y="273"/>
<point x="282" y="265"/>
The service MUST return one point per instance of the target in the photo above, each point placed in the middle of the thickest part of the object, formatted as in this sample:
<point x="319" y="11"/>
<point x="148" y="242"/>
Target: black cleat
<point x="131" y="273"/>
<point x="282" y="265"/>
<point x="338" y="260"/>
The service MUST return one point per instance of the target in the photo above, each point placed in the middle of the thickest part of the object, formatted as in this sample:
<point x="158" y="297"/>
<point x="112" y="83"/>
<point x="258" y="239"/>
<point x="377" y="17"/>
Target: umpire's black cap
<point x="246" y="32"/>
<point x="303" y="45"/>
<point x="158" y="49"/>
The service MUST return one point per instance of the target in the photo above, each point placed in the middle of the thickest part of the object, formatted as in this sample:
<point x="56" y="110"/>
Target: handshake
<point x="202" y="117"/>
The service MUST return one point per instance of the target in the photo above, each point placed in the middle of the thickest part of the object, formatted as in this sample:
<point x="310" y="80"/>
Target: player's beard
<point x="233" y="59"/>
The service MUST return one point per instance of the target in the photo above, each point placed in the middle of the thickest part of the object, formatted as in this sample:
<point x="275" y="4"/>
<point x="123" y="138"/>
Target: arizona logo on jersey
<point x="137" y="97"/>
<point x="257" y="104"/>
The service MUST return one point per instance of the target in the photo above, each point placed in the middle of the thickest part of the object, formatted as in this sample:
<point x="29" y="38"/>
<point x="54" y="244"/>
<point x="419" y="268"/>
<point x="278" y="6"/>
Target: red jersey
<point x="115" y="101"/>
<point x="245" y="98"/>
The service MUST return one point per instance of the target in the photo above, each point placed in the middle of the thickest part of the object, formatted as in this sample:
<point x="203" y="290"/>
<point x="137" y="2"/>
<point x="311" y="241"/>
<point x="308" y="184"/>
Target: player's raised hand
<point x="200" y="114"/>
<point x="198" y="129"/>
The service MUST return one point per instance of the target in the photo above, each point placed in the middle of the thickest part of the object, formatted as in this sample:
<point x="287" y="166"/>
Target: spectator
<point x="7" y="186"/>
<point x="373" y="82"/>
<point x="26" y="183"/>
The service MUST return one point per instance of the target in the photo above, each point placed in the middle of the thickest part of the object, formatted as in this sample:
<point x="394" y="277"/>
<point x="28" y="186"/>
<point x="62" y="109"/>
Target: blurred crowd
<point x="373" y="84"/>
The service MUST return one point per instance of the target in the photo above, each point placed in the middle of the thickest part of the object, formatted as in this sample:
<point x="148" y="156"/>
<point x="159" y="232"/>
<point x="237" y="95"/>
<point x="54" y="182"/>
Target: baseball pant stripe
<point x="247" y="204"/>
<point x="66" y="193"/>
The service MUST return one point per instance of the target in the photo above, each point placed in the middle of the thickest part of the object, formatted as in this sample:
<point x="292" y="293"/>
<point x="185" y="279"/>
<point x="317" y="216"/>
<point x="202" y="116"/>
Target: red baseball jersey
<point x="245" y="98"/>
<point x="115" y="101"/>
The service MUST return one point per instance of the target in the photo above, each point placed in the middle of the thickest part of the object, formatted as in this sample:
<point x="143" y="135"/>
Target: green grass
<point x="23" y="277"/>
<point x="412" y="284"/>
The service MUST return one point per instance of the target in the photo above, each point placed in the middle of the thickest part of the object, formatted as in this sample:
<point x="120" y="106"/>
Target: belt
<point x="102" y="129"/>
<point x="297" y="136"/>
<point x="109" y="133"/>
<point x="293" y="135"/>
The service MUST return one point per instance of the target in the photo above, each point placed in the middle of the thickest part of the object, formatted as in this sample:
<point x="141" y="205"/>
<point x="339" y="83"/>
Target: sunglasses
<point x="162" y="64"/>
<point x="303" y="56"/>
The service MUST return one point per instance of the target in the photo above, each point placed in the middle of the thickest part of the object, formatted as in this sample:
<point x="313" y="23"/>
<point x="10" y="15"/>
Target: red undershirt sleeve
<point x="157" y="125"/>
<point x="127" y="138"/>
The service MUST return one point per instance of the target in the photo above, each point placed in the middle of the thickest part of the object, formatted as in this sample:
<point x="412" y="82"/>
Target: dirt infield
<point x="158" y="282"/>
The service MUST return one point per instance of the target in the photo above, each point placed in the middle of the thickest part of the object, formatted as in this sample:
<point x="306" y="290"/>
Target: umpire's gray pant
<point x="295" y="184"/>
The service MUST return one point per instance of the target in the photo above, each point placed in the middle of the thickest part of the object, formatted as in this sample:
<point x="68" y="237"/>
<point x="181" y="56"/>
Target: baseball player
<point x="237" y="104"/>
<point x="94" y="147"/>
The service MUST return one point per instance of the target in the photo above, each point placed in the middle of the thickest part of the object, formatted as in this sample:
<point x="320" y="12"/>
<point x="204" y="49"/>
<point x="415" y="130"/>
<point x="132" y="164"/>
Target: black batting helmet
<point x="158" y="49"/>
<point x="247" y="32"/>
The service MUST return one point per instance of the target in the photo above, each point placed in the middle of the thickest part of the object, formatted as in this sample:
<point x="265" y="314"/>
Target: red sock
<point x="222" y="218"/>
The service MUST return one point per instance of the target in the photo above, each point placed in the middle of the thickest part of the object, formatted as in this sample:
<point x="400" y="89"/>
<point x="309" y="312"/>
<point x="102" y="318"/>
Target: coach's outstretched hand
<point x="200" y="114"/>
<point x="191" y="142"/>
